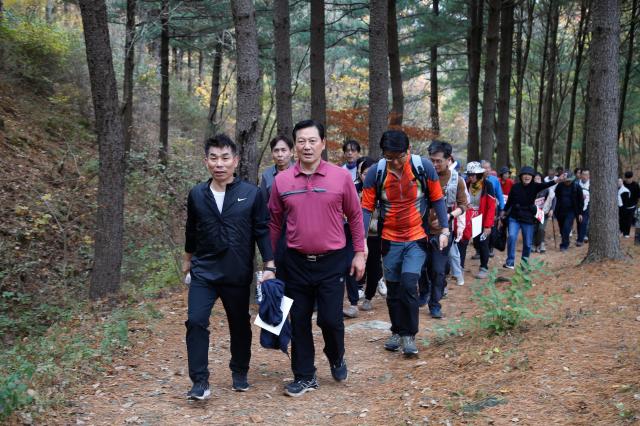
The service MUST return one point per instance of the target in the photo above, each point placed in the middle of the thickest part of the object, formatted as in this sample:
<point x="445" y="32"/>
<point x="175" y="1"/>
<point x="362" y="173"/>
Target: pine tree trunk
<point x="474" y="49"/>
<point x="395" y="72"/>
<point x="580" y="39"/>
<point x="522" y="57"/>
<point x="189" y="77"/>
<point x="200" y="67"/>
<point x="164" y="85"/>
<point x="489" y="89"/>
<point x="604" y="103"/>
<point x="583" y="148"/>
<point x="282" y="46"/>
<point x="105" y="275"/>
<point x="249" y="90"/>
<point x="127" y="84"/>
<point x="378" y="75"/>
<point x="433" y="78"/>
<point x="628" y="64"/>
<point x="543" y="68"/>
<point x="212" y="122"/>
<point x="504" y="98"/>
<point x="180" y="63"/>
<point x="316" y="65"/>
<point x="547" y="126"/>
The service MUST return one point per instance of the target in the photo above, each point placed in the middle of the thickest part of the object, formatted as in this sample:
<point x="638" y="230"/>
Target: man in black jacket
<point x="569" y="205"/>
<point x="226" y="216"/>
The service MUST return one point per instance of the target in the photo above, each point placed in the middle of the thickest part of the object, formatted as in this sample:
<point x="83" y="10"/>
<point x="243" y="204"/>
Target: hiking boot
<point x="476" y="256"/>
<point x="409" y="347"/>
<point x="542" y="248"/>
<point x="435" y="313"/>
<point x="351" y="312"/>
<point x="392" y="343"/>
<point x="339" y="372"/>
<point x="239" y="382"/>
<point x="199" y="391"/>
<point x="382" y="288"/>
<point x="507" y="266"/>
<point x="299" y="386"/>
<point x="366" y="305"/>
<point x="482" y="274"/>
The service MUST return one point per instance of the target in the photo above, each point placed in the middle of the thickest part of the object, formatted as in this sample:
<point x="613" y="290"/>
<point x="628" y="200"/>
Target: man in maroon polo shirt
<point x="314" y="196"/>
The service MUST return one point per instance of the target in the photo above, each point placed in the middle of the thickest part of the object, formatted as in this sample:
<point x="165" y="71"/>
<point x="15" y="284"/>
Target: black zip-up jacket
<point x="521" y="202"/>
<point x="222" y="245"/>
<point x="568" y="198"/>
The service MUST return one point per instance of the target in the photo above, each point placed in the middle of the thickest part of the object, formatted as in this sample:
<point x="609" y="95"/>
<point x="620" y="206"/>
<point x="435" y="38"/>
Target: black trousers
<point x="432" y="279"/>
<point x="235" y="300"/>
<point x="462" y="248"/>
<point x="308" y="282"/>
<point x="373" y="269"/>
<point x="626" y="219"/>
<point x="482" y="246"/>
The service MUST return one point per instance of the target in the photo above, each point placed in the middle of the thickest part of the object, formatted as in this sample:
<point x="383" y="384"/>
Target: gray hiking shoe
<point x="482" y="274"/>
<point x="351" y="312"/>
<point x="392" y="343"/>
<point x="409" y="347"/>
<point x="366" y="305"/>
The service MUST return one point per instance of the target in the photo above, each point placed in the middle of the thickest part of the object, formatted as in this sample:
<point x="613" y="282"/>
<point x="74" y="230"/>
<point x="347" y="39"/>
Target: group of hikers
<point x="398" y="225"/>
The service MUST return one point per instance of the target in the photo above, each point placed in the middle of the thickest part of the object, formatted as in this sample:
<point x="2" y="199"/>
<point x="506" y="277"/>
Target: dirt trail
<point x="580" y="366"/>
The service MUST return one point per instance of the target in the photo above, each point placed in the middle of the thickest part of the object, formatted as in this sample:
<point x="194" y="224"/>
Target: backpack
<point x="418" y="171"/>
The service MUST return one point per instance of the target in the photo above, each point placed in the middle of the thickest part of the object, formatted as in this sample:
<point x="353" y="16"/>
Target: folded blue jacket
<point x="270" y="312"/>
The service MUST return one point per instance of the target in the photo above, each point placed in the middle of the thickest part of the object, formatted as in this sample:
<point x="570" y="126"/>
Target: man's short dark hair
<point x="353" y="144"/>
<point x="308" y="123"/>
<point x="577" y="170"/>
<point x="220" y="141"/>
<point x="394" y="141"/>
<point x="363" y="163"/>
<point x="437" y="146"/>
<point x="628" y="174"/>
<point x="279" y="138"/>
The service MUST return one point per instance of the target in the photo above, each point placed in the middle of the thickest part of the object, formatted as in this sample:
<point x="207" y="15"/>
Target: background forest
<point x="505" y="80"/>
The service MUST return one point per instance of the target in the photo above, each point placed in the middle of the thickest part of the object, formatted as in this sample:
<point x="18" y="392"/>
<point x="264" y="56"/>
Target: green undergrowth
<point x="503" y="308"/>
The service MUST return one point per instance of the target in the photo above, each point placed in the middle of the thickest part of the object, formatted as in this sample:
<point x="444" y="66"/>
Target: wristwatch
<point x="270" y="269"/>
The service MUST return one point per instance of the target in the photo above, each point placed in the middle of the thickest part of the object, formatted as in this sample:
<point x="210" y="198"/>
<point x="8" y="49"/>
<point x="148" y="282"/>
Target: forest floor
<point x="581" y="365"/>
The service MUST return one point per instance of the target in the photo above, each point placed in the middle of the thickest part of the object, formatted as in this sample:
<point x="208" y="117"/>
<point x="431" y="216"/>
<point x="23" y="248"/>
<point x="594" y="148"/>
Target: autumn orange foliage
<point x="353" y="123"/>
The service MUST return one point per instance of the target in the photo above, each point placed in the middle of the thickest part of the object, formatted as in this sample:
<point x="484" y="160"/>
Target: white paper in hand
<point x="285" y="306"/>
<point x="476" y="226"/>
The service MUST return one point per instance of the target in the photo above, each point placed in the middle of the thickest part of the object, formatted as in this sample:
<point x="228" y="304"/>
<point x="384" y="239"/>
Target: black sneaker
<point x="340" y="371"/>
<point x="300" y="386"/>
<point x="199" y="391"/>
<point x="240" y="383"/>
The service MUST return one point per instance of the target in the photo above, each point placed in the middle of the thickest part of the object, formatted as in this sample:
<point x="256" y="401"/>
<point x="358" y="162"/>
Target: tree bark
<point x="580" y="39"/>
<point x="547" y="126"/>
<point x="504" y="97"/>
<point x="316" y="65"/>
<point x="127" y="84"/>
<point x="395" y="72"/>
<point x="105" y="275"/>
<point x="627" y="66"/>
<point x="604" y="103"/>
<point x="474" y="49"/>
<point x="200" y="66"/>
<point x="378" y="75"/>
<point x="583" y="149"/>
<point x="189" y="77"/>
<point x="543" y="68"/>
<point x="212" y="121"/>
<point x="249" y="88"/>
<point x="433" y="78"/>
<point x="522" y="58"/>
<point x="489" y="87"/>
<point x="164" y="85"/>
<point x="282" y="46"/>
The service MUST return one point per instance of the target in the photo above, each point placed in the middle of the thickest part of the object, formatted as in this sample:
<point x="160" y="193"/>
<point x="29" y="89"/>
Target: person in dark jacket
<point x="521" y="209"/>
<point x="226" y="216"/>
<point x="569" y="205"/>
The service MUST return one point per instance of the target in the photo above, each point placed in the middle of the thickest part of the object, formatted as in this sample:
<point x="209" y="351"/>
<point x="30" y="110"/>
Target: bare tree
<point x="378" y="75"/>
<point x="433" y="72"/>
<point x="316" y="65"/>
<point x="281" y="38"/>
<point x="474" y="53"/>
<point x="127" y="83"/>
<point x="628" y="64"/>
<point x="212" y="122"/>
<point x="107" y="259"/>
<point x="189" y="76"/>
<point x="504" y="90"/>
<point x="489" y="87"/>
<point x="604" y="104"/>
<point x="395" y="72"/>
<point x="543" y="68"/>
<point x="249" y="88"/>
<point x="547" y="125"/>
<point x="522" y="58"/>
<point x="164" y="84"/>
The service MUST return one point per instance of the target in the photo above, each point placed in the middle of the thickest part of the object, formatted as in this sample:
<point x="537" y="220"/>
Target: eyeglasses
<point x="399" y="157"/>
